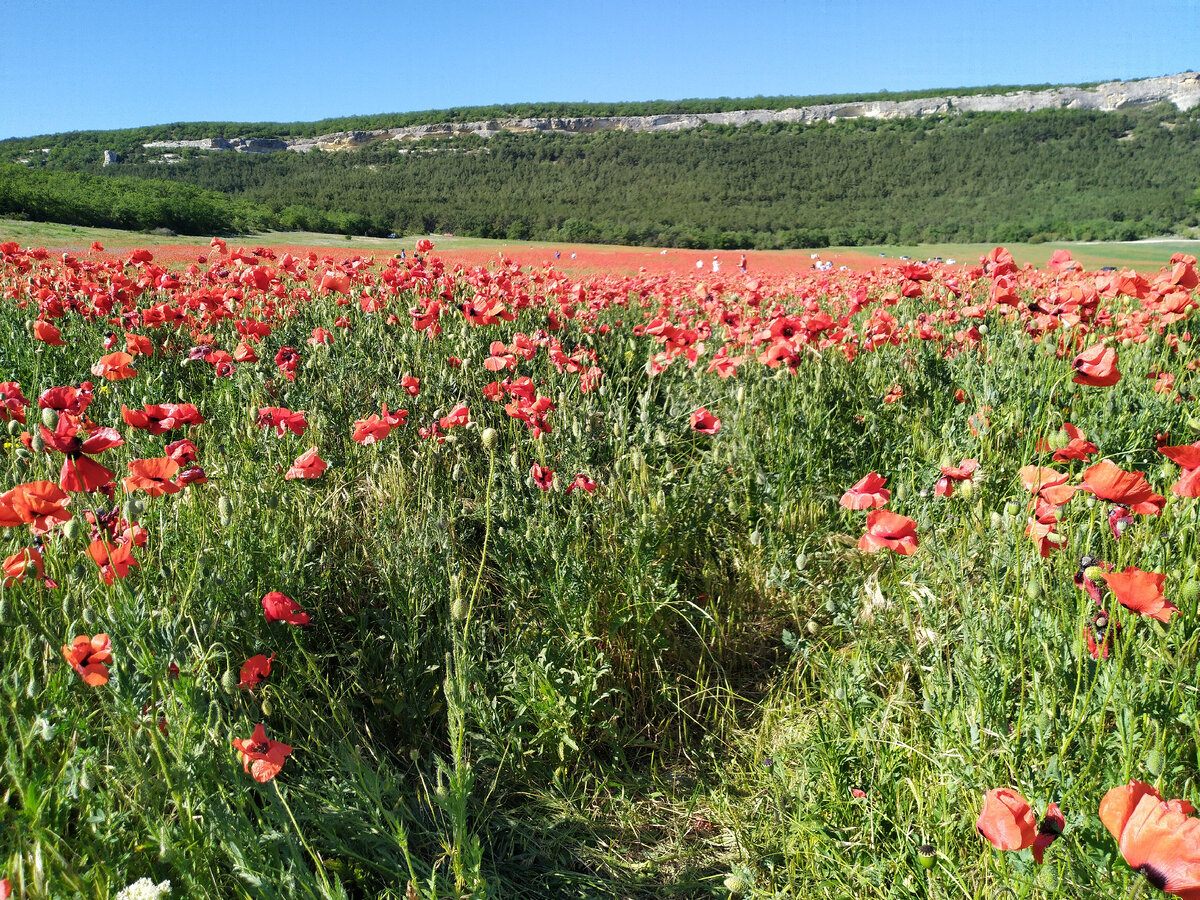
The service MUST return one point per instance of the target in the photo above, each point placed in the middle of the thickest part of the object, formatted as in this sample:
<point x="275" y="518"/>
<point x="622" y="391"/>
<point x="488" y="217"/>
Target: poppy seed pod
<point x="926" y="856"/>
<point x="490" y="438"/>
<point x="1155" y="761"/>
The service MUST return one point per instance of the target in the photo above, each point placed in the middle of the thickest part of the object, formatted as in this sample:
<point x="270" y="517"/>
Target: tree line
<point x="1049" y="175"/>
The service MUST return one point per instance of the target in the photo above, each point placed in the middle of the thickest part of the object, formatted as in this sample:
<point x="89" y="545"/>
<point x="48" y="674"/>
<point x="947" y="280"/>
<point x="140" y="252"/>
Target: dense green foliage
<point x="1002" y="177"/>
<point x="76" y="198"/>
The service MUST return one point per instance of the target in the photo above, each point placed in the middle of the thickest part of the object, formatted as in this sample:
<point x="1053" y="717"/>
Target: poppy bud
<point x="1033" y="590"/>
<point x="926" y="856"/>
<point x="3" y="611"/>
<point x="1155" y="762"/>
<point x="801" y="562"/>
<point x="33" y="688"/>
<point x="1049" y="879"/>
<point x="812" y="627"/>
<point x="736" y="885"/>
<point x="73" y="529"/>
<point x="24" y="455"/>
<point x="267" y="708"/>
<point x="50" y="418"/>
<point x="490" y="438"/>
<point x="1189" y="592"/>
<point x="14" y="427"/>
<point x="67" y="607"/>
<point x="89" y="617"/>
<point x="38" y="443"/>
<point x="458" y="608"/>
<point x="85" y="780"/>
<point x="79" y="572"/>
<point x="225" y="507"/>
<point x="229" y="682"/>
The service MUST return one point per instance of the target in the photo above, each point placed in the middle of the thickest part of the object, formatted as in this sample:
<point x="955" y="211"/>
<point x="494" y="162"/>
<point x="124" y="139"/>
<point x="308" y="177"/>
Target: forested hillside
<point x="1060" y="174"/>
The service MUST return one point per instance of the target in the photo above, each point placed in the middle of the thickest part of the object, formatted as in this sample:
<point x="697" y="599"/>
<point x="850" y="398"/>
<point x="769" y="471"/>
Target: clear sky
<point x="88" y="64"/>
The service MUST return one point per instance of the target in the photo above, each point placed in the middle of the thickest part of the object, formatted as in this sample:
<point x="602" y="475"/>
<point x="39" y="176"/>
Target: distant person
<point x="716" y="264"/>
<point x="402" y="254"/>
<point x="699" y="264"/>
<point x="742" y="264"/>
<point x="556" y="254"/>
<point x="574" y="256"/>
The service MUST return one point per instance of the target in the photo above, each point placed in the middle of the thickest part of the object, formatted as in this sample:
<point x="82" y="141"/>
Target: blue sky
<point x="81" y="64"/>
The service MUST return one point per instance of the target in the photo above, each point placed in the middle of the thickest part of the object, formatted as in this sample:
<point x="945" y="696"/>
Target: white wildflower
<point x="144" y="889"/>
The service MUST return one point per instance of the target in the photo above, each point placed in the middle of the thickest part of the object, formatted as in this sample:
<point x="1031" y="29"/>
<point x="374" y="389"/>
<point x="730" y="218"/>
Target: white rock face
<point x="1182" y="90"/>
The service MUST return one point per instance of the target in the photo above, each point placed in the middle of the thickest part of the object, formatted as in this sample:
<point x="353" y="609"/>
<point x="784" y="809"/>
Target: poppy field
<point x="332" y="575"/>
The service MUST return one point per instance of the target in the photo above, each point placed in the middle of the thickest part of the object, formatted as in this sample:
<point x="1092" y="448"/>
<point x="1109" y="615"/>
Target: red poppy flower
<point x="67" y="399"/>
<point x="114" y="367"/>
<point x="1043" y="531"/>
<point x="1110" y="482"/>
<point x="460" y="415"/>
<point x="893" y="394"/>
<point x="887" y="530"/>
<point x="16" y="567"/>
<point x="1101" y="633"/>
<point x="543" y="478"/>
<point x="48" y="334"/>
<point x="1187" y="457"/>
<point x="866" y="493"/>
<point x="283" y="420"/>
<point x="79" y="472"/>
<point x="411" y="385"/>
<point x="953" y="474"/>
<point x="320" y="337"/>
<point x="87" y="656"/>
<point x="1077" y="446"/>
<point x="581" y="481"/>
<point x="40" y="504"/>
<point x="279" y="607"/>
<point x="159" y="418"/>
<point x="1141" y="592"/>
<point x="334" y="282"/>
<point x="307" y="465"/>
<point x="1050" y="829"/>
<point x="12" y="402"/>
<point x="114" y="560"/>
<point x="424" y="245"/>
<point x="1007" y="820"/>
<point x="152" y="476"/>
<point x="1159" y="839"/>
<point x="261" y="757"/>
<point x="705" y="422"/>
<point x="254" y="670"/>
<point x="1097" y="366"/>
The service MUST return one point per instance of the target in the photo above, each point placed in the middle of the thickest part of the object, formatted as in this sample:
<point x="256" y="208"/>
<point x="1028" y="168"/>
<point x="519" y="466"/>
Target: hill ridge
<point x="1182" y="90"/>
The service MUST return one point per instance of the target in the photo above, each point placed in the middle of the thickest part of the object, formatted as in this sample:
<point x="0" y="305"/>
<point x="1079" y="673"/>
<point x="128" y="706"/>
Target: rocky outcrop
<point x="1183" y="91"/>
